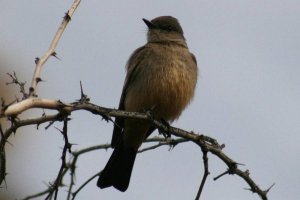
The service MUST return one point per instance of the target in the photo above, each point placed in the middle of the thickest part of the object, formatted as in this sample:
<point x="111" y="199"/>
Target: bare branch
<point x="162" y="142"/>
<point x="51" y="51"/>
<point x="203" y="141"/>
<point x="17" y="82"/>
<point x="30" y="101"/>
<point x="205" y="173"/>
<point x="84" y="184"/>
<point x="37" y="195"/>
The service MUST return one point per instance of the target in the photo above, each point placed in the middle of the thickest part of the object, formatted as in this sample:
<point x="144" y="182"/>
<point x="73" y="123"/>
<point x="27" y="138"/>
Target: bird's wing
<point x="194" y="58"/>
<point x="132" y="72"/>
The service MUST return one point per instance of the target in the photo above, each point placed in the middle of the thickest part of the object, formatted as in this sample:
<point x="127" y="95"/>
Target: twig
<point x="47" y="191"/>
<point x="37" y="195"/>
<point x="17" y="82"/>
<point x="51" y="51"/>
<point x="67" y="148"/>
<point x="2" y="159"/>
<point x="205" y="173"/>
<point x="210" y="144"/>
<point x="162" y="142"/>
<point x="17" y="108"/>
<point x="72" y="165"/>
<point x="84" y="184"/>
<point x="19" y="123"/>
<point x="86" y="150"/>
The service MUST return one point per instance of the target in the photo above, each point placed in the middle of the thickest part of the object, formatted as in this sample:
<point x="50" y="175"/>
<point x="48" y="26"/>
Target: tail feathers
<point x="118" y="169"/>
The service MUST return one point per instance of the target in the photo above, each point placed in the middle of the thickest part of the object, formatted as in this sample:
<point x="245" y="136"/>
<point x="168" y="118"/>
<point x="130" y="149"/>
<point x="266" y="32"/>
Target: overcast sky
<point x="247" y="97"/>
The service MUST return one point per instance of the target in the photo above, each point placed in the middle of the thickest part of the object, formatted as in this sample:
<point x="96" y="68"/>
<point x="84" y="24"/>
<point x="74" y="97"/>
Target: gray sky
<point x="247" y="96"/>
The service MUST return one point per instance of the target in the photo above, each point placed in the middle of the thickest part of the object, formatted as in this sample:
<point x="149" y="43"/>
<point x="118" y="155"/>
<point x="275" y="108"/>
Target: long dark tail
<point x="118" y="169"/>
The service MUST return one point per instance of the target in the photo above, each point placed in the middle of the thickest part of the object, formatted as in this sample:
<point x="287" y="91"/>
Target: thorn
<point x="36" y="60"/>
<point x="84" y="97"/>
<point x="267" y="190"/>
<point x="50" y="123"/>
<point x="241" y="164"/>
<point x="219" y="176"/>
<point x="38" y="79"/>
<point x="67" y="17"/>
<point x="55" y="55"/>
<point x="73" y="144"/>
<point x="247" y="172"/>
<point x="222" y="146"/>
<point x="249" y="189"/>
<point x="81" y="89"/>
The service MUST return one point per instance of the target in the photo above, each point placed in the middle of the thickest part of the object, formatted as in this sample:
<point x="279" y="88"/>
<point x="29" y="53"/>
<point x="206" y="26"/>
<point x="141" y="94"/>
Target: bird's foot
<point x="165" y="133"/>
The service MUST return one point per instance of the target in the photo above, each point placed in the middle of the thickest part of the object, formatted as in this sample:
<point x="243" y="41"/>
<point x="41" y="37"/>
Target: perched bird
<point x="161" y="77"/>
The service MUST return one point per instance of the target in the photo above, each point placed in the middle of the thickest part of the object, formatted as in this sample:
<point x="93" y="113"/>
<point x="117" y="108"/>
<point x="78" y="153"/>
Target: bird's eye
<point x="169" y="28"/>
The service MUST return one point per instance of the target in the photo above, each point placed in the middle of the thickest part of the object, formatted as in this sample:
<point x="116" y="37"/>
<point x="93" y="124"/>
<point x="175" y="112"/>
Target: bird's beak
<point x="149" y="24"/>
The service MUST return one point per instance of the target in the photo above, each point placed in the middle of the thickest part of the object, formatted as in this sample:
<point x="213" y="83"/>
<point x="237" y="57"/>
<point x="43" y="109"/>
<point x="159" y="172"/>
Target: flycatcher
<point x="161" y="77"/>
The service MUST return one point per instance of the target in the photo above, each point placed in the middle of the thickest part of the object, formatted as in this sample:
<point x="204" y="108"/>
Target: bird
<point x="161" y="77"/>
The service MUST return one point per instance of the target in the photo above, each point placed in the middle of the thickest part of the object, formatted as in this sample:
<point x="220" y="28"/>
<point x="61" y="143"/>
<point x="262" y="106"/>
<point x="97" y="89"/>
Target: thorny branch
<point x="67" y="148"/>
<point x="206" y="143"/>
<point x="71" y="166"/>
<point x="14" y="80"/>
<point x="30" y="100"/>
<point x="205" y="173"/>
<point x="51" y="51"/>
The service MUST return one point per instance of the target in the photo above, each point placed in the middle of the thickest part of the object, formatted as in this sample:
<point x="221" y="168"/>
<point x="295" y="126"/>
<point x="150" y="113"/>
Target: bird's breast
<point x="165" y="84"/>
